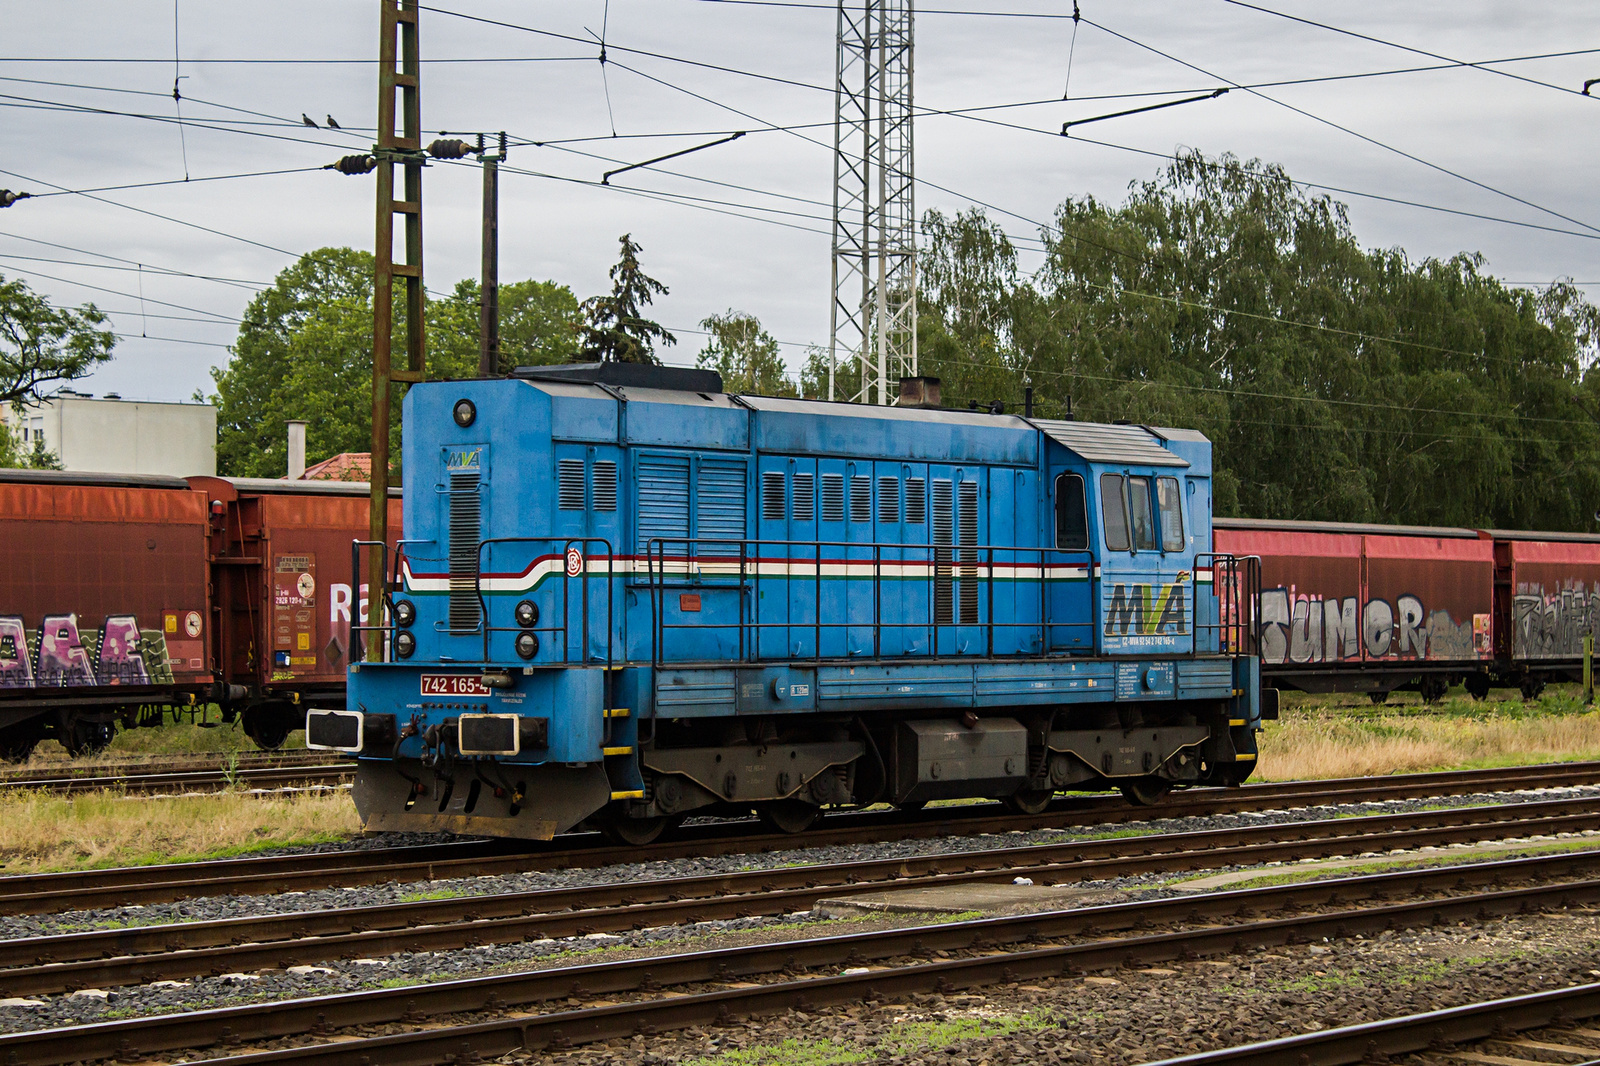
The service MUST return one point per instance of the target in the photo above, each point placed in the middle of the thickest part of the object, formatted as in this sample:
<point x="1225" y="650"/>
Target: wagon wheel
<point x="637" y="832"/>
<point x="1478" y="686"/>
<point x="85" y="737"/>
<point x="1532" y="687"/>
<point x="1145" y="791"/>
<point x="788" y="816"/>
<point x="1379" y="697"/>
<point x="17" y="741"/>
<point x="1029" y="800"/>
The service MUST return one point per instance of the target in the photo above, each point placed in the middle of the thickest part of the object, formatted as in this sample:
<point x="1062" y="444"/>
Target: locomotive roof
<point x="1133" y="445"/>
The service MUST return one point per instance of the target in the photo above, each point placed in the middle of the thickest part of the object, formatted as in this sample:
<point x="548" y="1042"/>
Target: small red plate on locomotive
<point x="453" y="685"/>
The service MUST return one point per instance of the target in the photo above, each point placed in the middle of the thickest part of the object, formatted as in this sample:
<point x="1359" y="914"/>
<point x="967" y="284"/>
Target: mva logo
<point x="1146" y="610"/>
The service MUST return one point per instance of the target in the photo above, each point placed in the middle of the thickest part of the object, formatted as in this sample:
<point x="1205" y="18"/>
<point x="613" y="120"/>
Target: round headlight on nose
<point x="527" y="614"/>
<point x="527" y="645"/>
<point x="405" y="644"/>
<point x="405" y="612"/>
<point x="465" y="413"/>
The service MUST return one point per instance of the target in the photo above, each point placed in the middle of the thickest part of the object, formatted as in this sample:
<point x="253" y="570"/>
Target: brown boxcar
<point x="1547" y="586"/>
<point x="103" y="603"/>
<point x="1365" y="608"/>
<point x="282" y="602"/>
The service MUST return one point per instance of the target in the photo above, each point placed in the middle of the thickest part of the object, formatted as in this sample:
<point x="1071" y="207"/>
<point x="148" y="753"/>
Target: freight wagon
<point x="127" y="596"/>
<point x="1367" y="608"/>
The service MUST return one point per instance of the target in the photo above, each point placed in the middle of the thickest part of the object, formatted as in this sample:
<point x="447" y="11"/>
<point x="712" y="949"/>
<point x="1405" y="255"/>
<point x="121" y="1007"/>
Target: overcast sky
<point x="1522" y="153"/>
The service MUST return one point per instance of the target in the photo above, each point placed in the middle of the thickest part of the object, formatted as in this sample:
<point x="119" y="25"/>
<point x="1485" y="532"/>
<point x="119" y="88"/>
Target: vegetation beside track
<point x="1348" y="736"/>
<point x="41" y="832"/>
<point x="203" y="733"/>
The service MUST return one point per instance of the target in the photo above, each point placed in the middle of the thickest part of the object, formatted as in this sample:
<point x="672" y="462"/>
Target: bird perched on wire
<point x="332" y="125"/>
<point x="305" y="118"/>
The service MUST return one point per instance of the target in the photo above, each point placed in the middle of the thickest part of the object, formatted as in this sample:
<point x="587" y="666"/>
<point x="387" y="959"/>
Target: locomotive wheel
<point x="84" y="737"/>
<point x="1029" y="801"/>
<point x="269" y="725"/>
<point x="1478" y="686"/>
<point x="636" y="832"/>
<point x="788" y="816"/>
<point x="1145" y="791"/>
<point x="17" y="741"/>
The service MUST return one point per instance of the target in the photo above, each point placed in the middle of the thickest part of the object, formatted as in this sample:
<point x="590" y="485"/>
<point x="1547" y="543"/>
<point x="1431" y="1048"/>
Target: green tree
<point x="43" y="347"/>
<point x="539" y="325"/>
<point x="305" y="352"/>
<point x="615" y="329"/>
<point x="745" y="355"/>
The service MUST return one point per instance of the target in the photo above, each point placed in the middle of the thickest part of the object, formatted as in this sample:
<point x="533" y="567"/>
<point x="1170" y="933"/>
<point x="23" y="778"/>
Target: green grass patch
<point x="436" y="893"/>
<point x="913" y="1038"/>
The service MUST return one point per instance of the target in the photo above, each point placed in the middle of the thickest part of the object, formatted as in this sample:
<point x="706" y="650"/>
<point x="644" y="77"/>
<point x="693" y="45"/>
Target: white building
<point x="118" y="436"/>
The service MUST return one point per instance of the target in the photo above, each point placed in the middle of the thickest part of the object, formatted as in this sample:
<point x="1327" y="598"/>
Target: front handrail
<point x="582" y="545"/>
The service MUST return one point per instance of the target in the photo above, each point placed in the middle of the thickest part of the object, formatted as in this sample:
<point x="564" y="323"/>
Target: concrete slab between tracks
<point x="1487" y="849"/>
<point x="964" y="899"/>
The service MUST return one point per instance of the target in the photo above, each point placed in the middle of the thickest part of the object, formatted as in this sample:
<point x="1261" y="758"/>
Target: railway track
<point x="181" y="776"/>
<point x="128" y="956"/>
<point x="717" y="987"/>
<point x="1496" y="1031"/>
<point x="37" y="893"/>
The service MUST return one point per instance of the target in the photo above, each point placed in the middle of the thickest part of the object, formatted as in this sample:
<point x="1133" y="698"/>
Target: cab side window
<point x="1114" y="512"/>
<point x="1139" y="513"/>
<point x="1072" y="518"/>
<point x="1169" y="502"/>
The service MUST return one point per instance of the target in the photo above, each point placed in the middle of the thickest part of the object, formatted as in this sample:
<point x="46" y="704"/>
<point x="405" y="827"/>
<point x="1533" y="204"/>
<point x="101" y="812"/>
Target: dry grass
<point x="1333" y="738"/>
<point x="41" y="832"/>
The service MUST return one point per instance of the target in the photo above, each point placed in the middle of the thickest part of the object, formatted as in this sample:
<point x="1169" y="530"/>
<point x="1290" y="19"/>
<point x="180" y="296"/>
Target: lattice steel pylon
<point x="872" y="334"/>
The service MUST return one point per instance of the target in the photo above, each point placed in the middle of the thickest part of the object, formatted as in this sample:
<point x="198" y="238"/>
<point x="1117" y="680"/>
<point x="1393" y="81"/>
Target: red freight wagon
<point x="281" y="596"/>
<point x="103" y="603"/>
<point x="1358" y="608"/>
<point x="1548" y="589"/>
<point x="128" y="594"/>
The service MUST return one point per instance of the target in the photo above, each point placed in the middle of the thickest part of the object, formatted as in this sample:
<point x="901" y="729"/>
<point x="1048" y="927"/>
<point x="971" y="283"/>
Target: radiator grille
<point x="943" y="534"/>
<point x="805" y="497"/>
<point x="833" y="497"/>
<point x="605" y="485"/>
<point x="569" y="488"/>
<point x="772" y="496"/>
<point x="466" y="523"/>
<point x="968" y="499"/>
<point x="888" y="499"/>
<point x="916" y="501"/>
<point x="860" y="499"/>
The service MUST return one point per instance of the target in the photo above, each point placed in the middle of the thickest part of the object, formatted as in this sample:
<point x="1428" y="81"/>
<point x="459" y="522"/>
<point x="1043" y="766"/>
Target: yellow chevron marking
<point x="626" y="749"/>
<point x="636" y="794"/>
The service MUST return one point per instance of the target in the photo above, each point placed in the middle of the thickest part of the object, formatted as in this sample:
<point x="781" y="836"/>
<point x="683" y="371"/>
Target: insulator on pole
<point x="7" y="197"/>
<point x="452" y="148"/>
<point x="361" y="163"/>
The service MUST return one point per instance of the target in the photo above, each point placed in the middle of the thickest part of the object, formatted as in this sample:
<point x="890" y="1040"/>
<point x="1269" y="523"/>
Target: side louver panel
<point x="466" y="533"/>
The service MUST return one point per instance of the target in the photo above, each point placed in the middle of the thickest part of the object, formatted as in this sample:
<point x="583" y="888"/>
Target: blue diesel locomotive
<point x="626" y="596"/>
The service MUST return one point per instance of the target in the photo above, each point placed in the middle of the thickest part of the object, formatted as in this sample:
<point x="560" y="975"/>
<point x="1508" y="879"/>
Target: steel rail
<point x="1005" y="944"/>
<point x="178" y="781"/>
<point x="29" y="775"/>
<point x="1432" y="1031"/>
<point x="108" y="958"/>
<point x="36" y="893"/>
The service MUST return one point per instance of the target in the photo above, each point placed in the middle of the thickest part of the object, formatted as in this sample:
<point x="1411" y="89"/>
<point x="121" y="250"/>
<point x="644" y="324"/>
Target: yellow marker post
<point x="1588" y="669"/>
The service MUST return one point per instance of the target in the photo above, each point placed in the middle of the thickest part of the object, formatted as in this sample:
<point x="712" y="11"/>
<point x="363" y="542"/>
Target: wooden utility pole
<point x="489" y="305"/>
<point x="399" y="71"/>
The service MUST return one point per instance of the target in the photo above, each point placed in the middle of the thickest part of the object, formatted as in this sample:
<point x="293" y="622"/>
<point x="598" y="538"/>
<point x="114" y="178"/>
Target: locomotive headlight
<point x="405" y="612"/>
<point x="527" y="614"/>
<point x="465" y="413"/>
<point x="527" y="645"/>
<point x="405" y="644"/>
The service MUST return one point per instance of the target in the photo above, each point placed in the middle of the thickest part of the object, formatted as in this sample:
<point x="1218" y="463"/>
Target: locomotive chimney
<point x="918" y="392"/>
<point x="297" y="450"/>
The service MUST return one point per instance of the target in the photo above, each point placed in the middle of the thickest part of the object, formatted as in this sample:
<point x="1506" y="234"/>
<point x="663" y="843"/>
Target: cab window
<point x="1139" y="514"/>
<point x="1169" y="503"/>
<point x="1114" y="512"/>
<point x="1072" y="518"/>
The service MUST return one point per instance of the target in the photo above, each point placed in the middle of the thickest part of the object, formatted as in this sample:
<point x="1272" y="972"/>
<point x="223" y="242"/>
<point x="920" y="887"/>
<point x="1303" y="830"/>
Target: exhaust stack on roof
<point x="297" y="450"/>
<point x="918" y="392"/>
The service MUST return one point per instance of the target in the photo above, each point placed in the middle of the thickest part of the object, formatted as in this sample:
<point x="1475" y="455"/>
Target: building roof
<point x="346" y="466"/>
